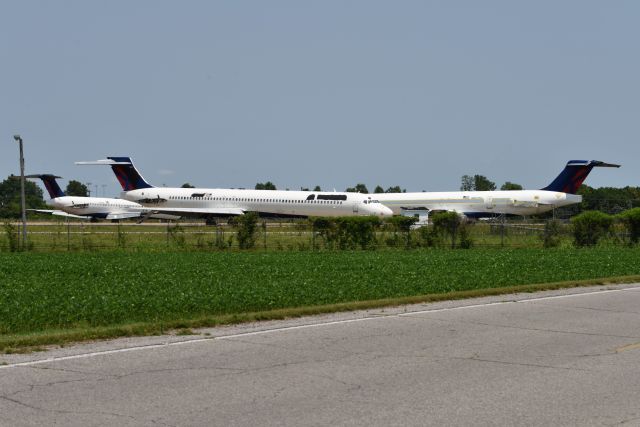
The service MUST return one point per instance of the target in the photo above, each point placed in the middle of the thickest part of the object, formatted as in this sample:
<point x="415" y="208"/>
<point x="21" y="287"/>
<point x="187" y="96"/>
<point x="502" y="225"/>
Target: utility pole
<point x="23" y="202"/>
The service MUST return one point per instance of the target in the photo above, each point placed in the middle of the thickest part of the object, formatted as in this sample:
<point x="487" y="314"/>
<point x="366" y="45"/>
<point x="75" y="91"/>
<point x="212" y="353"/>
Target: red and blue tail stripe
<point x="127" y="174"/>
<point x="50" y="184"/>
<point x="574" y="174"/>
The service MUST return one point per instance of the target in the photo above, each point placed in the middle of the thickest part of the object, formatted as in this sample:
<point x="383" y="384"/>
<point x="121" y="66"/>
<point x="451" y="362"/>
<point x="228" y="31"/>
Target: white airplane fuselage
<point x="198" y="201"/>
<point x="269" y="202"/>
<point x="480" y="203"/>
<point x="99" y="207"/>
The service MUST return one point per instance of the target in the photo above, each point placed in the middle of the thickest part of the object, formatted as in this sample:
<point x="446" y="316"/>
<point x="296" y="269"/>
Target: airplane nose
<point x="385" y="211"/>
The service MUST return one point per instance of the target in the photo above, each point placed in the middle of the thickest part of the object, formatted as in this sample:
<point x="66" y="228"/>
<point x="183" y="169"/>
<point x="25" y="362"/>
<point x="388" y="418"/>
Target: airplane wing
<point x="114" y="215"/>
<point x="192" y="211"/>
<point x="123" y="215"/>
<point x="59" y="213"/>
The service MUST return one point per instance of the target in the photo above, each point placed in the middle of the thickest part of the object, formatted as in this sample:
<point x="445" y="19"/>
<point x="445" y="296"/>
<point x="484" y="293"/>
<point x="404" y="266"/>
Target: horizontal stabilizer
<point x="104" y="162"/>
<point x="592" y="163"/>
<point x="123" y="215"/>
<point x="59" y="213"/>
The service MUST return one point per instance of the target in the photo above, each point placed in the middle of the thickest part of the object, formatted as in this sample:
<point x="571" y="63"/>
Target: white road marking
<point x="462" y="307"/>
<point x="586" y="293"/>
<point x="291" y="328"/>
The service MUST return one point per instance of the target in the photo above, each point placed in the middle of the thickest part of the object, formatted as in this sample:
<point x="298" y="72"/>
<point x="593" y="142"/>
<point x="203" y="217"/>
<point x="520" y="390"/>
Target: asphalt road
<point x="530" y="360"/>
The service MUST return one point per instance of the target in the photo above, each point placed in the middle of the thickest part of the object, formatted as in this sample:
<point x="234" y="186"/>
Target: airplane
<point x="482" y="204"/>
<point x="216" y="202"/>
<point x="87" y="207"/>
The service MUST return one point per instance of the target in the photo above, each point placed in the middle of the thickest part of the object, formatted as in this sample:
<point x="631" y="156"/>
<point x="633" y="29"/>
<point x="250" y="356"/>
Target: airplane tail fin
<point x="574" y="174"/>
<point x="127" y="174"/>
<point x="125" y="171"/>
<point x="50" y="184"/>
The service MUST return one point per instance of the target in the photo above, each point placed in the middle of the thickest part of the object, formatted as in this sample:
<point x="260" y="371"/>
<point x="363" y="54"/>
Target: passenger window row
<point x="242" y="199"/>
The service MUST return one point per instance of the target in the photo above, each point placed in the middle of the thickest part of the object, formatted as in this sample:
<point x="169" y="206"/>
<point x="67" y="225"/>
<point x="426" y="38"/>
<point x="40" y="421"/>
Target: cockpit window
<point x="332" y="197"/>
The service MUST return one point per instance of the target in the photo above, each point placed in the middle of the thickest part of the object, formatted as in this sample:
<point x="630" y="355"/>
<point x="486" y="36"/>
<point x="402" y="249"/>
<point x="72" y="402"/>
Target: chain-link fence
<point x="291" y="235"/>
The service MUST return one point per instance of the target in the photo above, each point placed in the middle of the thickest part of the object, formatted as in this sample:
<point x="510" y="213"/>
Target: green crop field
<point x="58" y="291"/>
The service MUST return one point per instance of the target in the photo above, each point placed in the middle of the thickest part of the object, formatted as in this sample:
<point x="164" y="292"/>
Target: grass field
<point x="278" y="236"/>
<point x="60" y="291"/>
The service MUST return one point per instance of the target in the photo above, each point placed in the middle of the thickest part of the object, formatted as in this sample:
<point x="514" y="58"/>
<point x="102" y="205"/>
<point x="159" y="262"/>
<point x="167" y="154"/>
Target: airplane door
<point x="489" y="203"/>
<point x="355" y="207"/>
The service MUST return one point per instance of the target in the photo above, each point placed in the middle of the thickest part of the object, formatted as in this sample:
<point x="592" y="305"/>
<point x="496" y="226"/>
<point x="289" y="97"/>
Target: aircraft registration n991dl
<point x="479" y="204"/>
<point x="214" y="202"/>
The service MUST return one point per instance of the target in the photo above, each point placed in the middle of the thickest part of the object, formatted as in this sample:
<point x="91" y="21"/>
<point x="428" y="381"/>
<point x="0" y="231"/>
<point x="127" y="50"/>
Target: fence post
<point x="313" y="235"/>
<point x="121" y="240"/>
<point x="219" y="237"/>
<point x="264" y="232"/>
<point x="20" y="243"/>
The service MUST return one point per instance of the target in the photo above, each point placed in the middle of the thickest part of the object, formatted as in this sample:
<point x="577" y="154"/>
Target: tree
<point x="317" y="188"/>
<point x="247" y="226"/>
<point x="610" y="199"/>
<point x="325" y="228"/>
<point x="10" y="206"/>
<point x="378" y="190"/>
<point x="446" y="224"/>
<point x="359" y="188"/>
<point x="450" y="224"/>
<point x="476" y="183"/>
<point x="551" y="236"/>
<point x="401" y="224"/>
<point x="266" y="186"/>
<point x="511" y="186"/>
<point x="481" y="183"/>
<point x="395" y="189"/>
<point x="187" y="185"/>
<point x="467" y="183"/>
<point x="631" y="221"/>
<point x="590" y="226"/>
<point x="354" y="231"/>
<point x="346" y="232"/>
<point x="76" y="188"/>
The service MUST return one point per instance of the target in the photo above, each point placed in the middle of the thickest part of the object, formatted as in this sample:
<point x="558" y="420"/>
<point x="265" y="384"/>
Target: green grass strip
<point x="102" y="295"/>
<point x="22" y="343"/>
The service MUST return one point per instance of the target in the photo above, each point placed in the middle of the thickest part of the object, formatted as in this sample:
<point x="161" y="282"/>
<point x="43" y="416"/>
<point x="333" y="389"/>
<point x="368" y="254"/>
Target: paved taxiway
<point x="557" y="358"/>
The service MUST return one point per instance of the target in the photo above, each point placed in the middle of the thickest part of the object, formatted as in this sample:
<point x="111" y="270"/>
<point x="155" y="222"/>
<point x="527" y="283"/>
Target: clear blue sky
<point x="229" y="93"/>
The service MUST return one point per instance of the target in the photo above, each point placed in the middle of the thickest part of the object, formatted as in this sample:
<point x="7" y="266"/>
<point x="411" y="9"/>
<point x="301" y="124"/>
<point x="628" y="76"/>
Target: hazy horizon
<point x="409" y="93"/>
